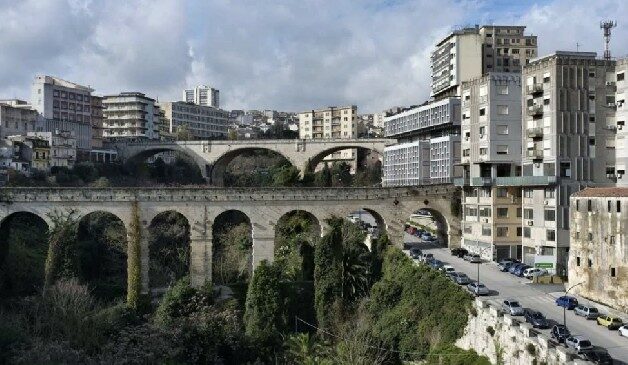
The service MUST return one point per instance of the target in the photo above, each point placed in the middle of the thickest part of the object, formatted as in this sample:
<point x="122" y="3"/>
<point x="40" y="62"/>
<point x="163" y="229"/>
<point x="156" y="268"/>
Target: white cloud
<point x="282" y="54"/>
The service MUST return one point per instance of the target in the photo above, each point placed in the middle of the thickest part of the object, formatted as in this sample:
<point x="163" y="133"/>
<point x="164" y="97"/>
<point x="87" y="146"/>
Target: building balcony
<point x="461" y="181"/>
<point x="535" y="110"/>
<point x="525" y="180"/>
<point x="536" y="88"/>
<point x="535" y="132"/>
<point x="481" y="181"/>
<point x="535" y="154"/>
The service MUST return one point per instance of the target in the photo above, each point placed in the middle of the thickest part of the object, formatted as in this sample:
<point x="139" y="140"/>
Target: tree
<point x="263" y="316"/>
<point x="169" y="242"/>
<point x="323" y="177"/>
<point x="286" y="175"/>
<point x="341" y="174"/>
<point x="61" y="261"/>
<point x="232" y="254"/>
<point x="134" y="259"/>
<point x="328" y="272"/>
<point x="183" y="134"/>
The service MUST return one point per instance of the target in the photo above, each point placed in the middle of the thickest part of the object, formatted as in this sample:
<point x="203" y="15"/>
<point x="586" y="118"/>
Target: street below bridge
<point x="539" y="297"/>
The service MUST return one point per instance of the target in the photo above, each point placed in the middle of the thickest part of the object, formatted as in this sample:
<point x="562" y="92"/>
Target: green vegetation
<point x="169" y="249"/>
<point x="353" y="306"/>
<point x="232" y="248"/>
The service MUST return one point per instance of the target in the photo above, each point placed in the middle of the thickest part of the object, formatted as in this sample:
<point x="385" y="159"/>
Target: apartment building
<point x="202" y="95"/>
<point x="434" y="124"/>
<point x="469" y="53"/>
<point x="491" y="160"/>
<point x="201" y="122"/>
<point x="568" y="104"/>
<point x="619" y="123"/>
<point x="332" y="123"/>
<point x="16" y="118"/>
<point x="30" y="153"/>
<point x="62" y="147"/>
<point x="64" y="105"/>
<point x="598" y="256"/>
<point x="130" y="115"/>
<point x="97" y="122"/>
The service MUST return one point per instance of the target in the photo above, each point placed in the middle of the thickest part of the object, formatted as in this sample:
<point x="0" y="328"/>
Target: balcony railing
<point x="461" y="181"/>
<point x="481" y="181"/>
<point x="535" y="110"/>
<point x="535" y="88"/>
<point x="535" y="154"/>
<point x="525" y="180"/>
<point x="535" y="132"/>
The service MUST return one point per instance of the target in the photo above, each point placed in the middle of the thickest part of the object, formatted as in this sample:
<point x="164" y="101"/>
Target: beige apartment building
<point x="469" y="53"/>
<point x="200" y="122"/>
<point x="491" y="156"/>
<point x="598" y="256"/>
<point x="130" y="116"/>
<point x="97" y="122"/>
<point x="568" y="105"/>
<point x="332" y="123"/>
<point x="16" y="118"/>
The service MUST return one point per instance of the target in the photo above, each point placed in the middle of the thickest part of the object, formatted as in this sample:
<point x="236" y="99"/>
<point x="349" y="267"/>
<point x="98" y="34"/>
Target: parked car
<point x="426" y="257"/>
<point x="462" y="279"/>
<point x="578" y="343"/>
<point x="415" y="253"/>
<point x="534" y="272"/>
<point x="475" y="259"/>
<point x="521" y="269"/>
<point x="459" y="251"/>
<point x="436" y="264"/>
<point x="426" y="236"/>
<point x="478" y="289"/>
<point x="514" y="267"/>
<point x="610" y="322"/>
<point x="623" y="330"/>
<point x="535" y="318"/>
<point x="560" y="333"/>
<point x="598" y="356"/>
<point x="512" y="307"/>
<point x="586" y="311"/>
<point x="429" y="239"/>
<point x="504" y="265"/>
<point x="446" y="269"/>
<point x="567" y="302"/>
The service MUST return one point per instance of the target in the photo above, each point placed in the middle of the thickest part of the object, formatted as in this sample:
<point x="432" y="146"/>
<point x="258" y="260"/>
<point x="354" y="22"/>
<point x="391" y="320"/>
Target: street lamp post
<point x="565" y="308"/>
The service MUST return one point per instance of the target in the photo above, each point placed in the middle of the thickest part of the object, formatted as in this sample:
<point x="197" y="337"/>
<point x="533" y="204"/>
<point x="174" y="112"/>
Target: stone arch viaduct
<point x="212" y="157"/>
<point x="263" y="206"/>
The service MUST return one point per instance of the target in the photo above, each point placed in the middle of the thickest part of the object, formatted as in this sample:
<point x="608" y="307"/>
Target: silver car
<point x="478" y="289"/>
<point x="462" y="279"/>
<point x="587" y="311"/>
<point x="512" y="307"/>
<point x="578" y="343"/>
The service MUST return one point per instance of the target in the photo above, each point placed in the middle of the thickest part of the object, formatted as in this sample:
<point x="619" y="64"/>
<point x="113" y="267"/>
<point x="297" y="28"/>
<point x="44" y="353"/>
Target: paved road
<point x="538" y="297"/>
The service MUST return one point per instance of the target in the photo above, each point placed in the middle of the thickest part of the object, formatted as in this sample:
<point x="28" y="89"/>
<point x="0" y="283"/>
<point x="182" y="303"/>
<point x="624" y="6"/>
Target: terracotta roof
<point x="602" y="192"/>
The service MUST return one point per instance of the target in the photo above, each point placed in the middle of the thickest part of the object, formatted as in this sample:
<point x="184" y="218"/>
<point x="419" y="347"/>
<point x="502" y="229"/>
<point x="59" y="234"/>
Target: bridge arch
<point x="232" y="248"/>
<point x="189" y="156"/>
<point x="320" y="156"/>
<point x="217" y="171"/>
<point x="23" y="252"/>
<point x="168" y="248"/>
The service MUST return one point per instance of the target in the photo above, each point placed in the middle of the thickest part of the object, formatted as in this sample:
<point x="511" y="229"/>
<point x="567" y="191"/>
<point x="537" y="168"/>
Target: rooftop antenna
<point x="607" y="25"/>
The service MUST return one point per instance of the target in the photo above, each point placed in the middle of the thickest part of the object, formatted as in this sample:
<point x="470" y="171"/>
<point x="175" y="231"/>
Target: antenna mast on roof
<point x="607" y="25"/>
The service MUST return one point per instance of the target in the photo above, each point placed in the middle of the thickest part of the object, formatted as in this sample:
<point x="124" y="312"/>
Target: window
<point x="550" y="193"/>
<point x="546" y="79"/>
<point x="502" y="89"/>
<point x="590" y="236"/>
<point x="482" y="131"/>
<point x="486" y="230"/>
<point x="528" y="213"/>
<point x="502" y="192"/>
<point x="618" y="206"/>
<point x="527" y="193"/>
<point x="526" y="232"/>
<point x="609" y="206"/>
<point x="483" y="151"/>
<point x="550" y="215"/>
<point x="502" y="109"/>
<point x="467" y="229"/>
<point x="519" y="230"/>
<point x="620" y="76"/>
<point x="589" y="262"/>
<point x="502" y="129"/>
<point x="612" y="272"/>
<point x="518" y="212"/>
<point x="485" y="212"/>
<point x="578" y="261"/>
<point x="502" y="232"/>
<point x="551" y="235"/>
<point x="546" y="101"/>
<point x="482" y="111"/>
<point x="502" y="212"/>
<point x="589" y="205"/>
<point x="502" y="149"/>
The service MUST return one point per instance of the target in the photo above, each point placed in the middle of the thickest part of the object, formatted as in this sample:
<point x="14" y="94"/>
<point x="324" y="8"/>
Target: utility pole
<point x="565" y="308"/>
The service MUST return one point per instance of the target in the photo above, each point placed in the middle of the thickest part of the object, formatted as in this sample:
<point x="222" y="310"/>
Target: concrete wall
<point x="264" y="207"/>
<point x="510" y="339"/>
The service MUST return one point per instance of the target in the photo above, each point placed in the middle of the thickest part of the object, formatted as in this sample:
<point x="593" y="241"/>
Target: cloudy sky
<point x="270" y="54"/>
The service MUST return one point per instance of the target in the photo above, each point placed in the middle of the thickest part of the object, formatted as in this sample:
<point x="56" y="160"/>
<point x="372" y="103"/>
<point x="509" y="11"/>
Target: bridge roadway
<point x="391" y="207"/>
<point x="213" y="157"/>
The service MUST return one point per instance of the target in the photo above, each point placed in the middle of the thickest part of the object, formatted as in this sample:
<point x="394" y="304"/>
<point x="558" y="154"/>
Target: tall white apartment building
<point x="202" y="95"/>
<point x="436" y="125"/>
<point x="64" y="105"/>
<point x="491" y="160"/>
<point x="16" y="118"/>
<point x="569" y="102"/>
<point x="469" y="53"/>
<point x="619" y="81"/>
<point x="332" y="123"/>
<point x="130" y="115"/>
<point x="201" y="122"/>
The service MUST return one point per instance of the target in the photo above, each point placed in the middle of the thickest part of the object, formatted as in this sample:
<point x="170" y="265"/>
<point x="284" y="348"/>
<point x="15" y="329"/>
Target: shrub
<point x="40" y="351"/>
<point x="490" y="330"/>
<point x="182" y="300"/>
<point x="452" y="355"/>
<point x="143" y="344"/>
<point x="263" y="316"/>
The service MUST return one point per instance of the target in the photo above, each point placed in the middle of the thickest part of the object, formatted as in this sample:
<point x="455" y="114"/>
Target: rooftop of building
<point x="61" y="82"/>
<point x="610" y="192"/>
<point x="566" y="54"/>
<point x="330" y="108"/>
<point x="128" y="94"/>
<point x="476" y="30"/>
